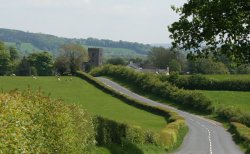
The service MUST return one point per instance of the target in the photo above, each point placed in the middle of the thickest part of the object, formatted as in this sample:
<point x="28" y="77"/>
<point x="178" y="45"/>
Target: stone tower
<point x="95" y="56"/>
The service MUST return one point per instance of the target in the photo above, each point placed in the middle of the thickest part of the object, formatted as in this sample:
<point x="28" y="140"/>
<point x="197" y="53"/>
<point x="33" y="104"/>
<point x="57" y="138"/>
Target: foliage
<point x="152" y="84"/>
<point x="62" y="65"/>
<point x="109" y="131"/>
<point x="116" y="61"/>
<point x="32" y="123"/>
<point x="87" y="96"/>
<point x="42" y="62"/>
<point x="24" y="69"/>
<point x="241" y="134"/>
<point x="217" y="27"/>
<point x="174" y="66"/>
<point x="207" y="66"/>
<point x="160" y="57"/>
<point x="13" y="53"/>
<point x="72" y="57"/>
<point x="169" y="137"/>
<point x="233" y="114"/>
<point x="5" y="63"/>
<point x="202" y="82"/>
<point x="52" y="43"/>
<point x="138" y="47"/>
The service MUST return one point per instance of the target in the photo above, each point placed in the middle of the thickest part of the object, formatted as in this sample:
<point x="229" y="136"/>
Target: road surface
<point x="204" y="136"/>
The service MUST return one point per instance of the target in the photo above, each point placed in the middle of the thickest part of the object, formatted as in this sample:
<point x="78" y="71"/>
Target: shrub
<point x="200" y="82"/>
<point x="110" y="131"/>
<point x="241" y="134"/>
<point x="32" y="123"/>
<point x="234" y="115"/>
<point x="152" y="84"/>
<point x="135" y="134"/>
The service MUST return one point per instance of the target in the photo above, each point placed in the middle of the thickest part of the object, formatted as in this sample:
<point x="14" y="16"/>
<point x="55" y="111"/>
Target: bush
<point x="32" y="123"/>
<point x="109" y="131"/>
<point x="233" y="115"/>
<point x="152" y="84"/>
<point x="200" y="82"/>
<point x="241" y="135"/>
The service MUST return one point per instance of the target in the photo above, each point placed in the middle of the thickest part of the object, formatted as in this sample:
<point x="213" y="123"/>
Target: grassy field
<point x="228" y="77"/>
<point x="82" y="93"/>
<point x="236" y="99"/>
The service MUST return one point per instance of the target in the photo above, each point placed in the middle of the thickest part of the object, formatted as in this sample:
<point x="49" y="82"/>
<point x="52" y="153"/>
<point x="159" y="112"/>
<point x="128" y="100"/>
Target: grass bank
<point x="234" y="99"/>
<point x="82" y="93"/>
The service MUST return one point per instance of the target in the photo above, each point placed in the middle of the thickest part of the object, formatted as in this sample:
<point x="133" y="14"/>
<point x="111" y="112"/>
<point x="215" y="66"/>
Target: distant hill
<point x="27" y="42"/>
<point x="161" y="45"/>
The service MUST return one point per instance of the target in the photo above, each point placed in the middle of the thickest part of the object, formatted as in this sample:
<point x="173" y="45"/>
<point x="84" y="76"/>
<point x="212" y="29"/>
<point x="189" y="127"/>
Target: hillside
<point x="27" y="42"/>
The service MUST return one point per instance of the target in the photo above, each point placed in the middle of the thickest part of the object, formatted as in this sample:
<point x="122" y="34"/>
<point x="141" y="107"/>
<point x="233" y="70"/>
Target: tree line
<point x="177" y="61"/>
<point x="71" y="58"/>
<point x="53" y="43"/>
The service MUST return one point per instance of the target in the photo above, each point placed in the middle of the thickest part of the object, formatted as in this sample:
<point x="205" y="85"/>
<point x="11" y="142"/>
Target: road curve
<point x="204" y="137"/>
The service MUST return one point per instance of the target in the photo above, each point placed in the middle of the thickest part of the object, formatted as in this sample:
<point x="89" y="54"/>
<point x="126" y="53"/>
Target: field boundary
<point x="174" y="131"/>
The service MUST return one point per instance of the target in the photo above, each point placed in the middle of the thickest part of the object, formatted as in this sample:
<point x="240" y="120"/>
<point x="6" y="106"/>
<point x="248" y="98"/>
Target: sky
<point x="143" y="21"/>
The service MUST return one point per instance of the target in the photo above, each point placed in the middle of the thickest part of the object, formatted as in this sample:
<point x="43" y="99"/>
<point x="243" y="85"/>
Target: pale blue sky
<point x="142" y="21"/>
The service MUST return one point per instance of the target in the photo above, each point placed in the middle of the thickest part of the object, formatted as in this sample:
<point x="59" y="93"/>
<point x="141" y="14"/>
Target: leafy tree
<point x="24" y="69"/>
<point x="42" y="62"/>
<point x="75" y="56"/>
<point x="5" y="63"/>
<point x="243" y="69"/>
<point x="13" y="53"/>
<point x="174" y="66"/>
<point x="220" y="27"/>
<point x="62" y="65"/>
<point x="116" y="61"/>
<point x="160" y="57"/>
<point x="207" y="66"/>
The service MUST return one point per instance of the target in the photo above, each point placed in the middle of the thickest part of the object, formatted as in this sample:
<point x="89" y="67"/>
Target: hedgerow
<point x="200" y="82"/>
<point x="241" y="135"/>
<point x="109" y="131"/>
<point x="32" y="123"/>
<point x="151" y="83"/>
<point x="159" y="86"/>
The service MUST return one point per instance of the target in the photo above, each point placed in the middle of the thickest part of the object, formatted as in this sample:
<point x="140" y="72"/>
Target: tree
<point x="220" y="27"/>
<point x="75" y="56"/>
<point x="24" y="69"/>
<point x="116" y="61"/>
<point x="160" y="57"/>
<point x="13" y="53"/>
<point x="42" y="62"/>
<point x="208" y="66"/>
<point x="62" y="65"/>
<point x="174" y="66"/>
<point x="5" y="63"/>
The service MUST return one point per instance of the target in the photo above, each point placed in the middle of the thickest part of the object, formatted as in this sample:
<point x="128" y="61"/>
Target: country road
<point x="204" y="137"/>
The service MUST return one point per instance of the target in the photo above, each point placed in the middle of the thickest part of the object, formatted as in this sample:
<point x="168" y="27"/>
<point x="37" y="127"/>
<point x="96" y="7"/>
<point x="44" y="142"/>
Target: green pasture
<point x="92" y="99"/>
<point x="236" y="99"/>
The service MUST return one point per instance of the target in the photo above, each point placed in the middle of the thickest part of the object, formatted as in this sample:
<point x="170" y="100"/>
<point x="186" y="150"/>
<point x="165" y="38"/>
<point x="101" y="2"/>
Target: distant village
<point x="96" y="59"/>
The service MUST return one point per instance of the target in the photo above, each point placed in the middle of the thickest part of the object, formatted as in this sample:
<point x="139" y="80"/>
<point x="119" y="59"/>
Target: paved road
<point x="204" y="137"/>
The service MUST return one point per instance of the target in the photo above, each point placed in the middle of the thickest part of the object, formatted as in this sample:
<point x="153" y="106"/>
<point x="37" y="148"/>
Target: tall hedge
<point x="200" y="82"/>
<point x="241" y="134"/>
<point x="152" y="84"/>
<point x="32" y="123"/>
<point x="109" y="131"/>
<point x="159" y="85"/>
